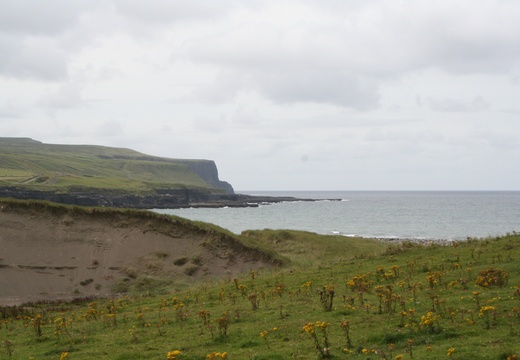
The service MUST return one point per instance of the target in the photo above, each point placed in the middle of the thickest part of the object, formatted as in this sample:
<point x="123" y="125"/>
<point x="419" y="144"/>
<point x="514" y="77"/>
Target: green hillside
<point x="354" y="299"/>
<point x="31" y="164"/>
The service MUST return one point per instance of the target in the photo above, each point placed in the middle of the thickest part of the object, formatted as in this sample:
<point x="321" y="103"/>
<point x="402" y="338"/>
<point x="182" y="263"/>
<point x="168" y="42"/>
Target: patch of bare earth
<point x="51" y="256"/>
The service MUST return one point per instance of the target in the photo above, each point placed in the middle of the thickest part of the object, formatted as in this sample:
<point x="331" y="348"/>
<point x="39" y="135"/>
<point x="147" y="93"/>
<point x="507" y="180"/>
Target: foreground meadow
<point x="341" y="298"/>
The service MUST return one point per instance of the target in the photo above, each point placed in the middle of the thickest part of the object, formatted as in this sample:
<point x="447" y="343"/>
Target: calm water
<point x="394" y="214"/>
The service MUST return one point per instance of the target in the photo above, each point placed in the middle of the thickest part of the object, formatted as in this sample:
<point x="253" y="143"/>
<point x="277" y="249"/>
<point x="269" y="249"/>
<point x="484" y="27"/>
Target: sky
<point x="282" y="95"/>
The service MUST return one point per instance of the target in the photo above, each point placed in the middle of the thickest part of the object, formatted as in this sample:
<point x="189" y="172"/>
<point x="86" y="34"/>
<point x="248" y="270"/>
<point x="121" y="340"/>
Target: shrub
<point x="130" y="272"/>
<point x="492" y="277"/>
<point x="161" y="254"/>
<point x="197" y="260"/>
<point x="191" y="270"/>
<point x="181" y="261"/>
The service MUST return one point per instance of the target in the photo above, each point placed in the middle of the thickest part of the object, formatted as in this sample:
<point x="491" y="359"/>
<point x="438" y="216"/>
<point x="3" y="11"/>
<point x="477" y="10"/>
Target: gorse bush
<point x="492" y="277"/>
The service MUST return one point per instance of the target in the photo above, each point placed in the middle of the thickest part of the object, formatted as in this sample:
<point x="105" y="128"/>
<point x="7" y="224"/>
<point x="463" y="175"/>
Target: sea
<point x="419" y="215"/>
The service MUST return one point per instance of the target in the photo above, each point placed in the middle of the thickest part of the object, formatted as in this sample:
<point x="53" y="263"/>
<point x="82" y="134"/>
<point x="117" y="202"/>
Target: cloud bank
<point x="293" y="95"/>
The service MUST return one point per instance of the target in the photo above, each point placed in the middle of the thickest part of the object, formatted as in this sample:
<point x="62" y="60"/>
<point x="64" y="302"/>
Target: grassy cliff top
<point x="32" y="164"/>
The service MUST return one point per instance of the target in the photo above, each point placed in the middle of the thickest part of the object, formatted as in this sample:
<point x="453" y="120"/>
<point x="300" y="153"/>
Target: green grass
<point x="15" y="174"/>
<point x="400" y="300"/>
<point x="30" y="164"/>
<point x="307" y="249"/>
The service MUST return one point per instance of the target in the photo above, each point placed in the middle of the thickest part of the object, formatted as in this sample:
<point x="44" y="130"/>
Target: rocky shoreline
<point x="242" y="200"/>
<point x="418" y="240"/>
<point x="161" y="199"/>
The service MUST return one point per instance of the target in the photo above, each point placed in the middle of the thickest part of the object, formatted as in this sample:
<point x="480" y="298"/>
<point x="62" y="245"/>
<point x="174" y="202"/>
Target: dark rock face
<point x="162" y="199"/>
<point x="207" y="170"/>
<point x="167" y="198"/>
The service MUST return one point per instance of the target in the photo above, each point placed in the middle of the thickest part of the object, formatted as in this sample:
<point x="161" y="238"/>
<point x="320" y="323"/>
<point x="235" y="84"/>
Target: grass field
<point x="27" y="163"/>
<point x="339" y="298"/>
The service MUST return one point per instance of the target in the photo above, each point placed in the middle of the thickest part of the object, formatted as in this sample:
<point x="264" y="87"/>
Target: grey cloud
<point x="32" y="58"/>
<point x="68" y="96"/>
<point x="466" y="37"/>
<point x="282" y="82"/>
<point x="320" y="87"/>
<point x="500" y="140"/>
<point x="455" y="105"/>
<point x="483" y="39"/>
<point x="39" y="38"/>
<point x="404" y="136"/>
<point x="343" y="60"/>
<point x="109" y="128"/>
<point x="281" y="72"/>
<point x="9" y="110"/>
<point x="164" y="11"/>
<point x="226" y="86"/>
<point x="288" y="87"/>
<point x="48" y="17"/>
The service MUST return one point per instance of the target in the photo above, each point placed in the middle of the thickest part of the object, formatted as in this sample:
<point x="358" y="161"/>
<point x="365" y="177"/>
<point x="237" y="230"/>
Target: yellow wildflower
<point x="451" y="351"/>
<point x="217" y="355"/>
<point x="322" y="324"/>
<point x="309" y="328"/>
<point x="486" y="309"/>
<point x="172" y="355"/>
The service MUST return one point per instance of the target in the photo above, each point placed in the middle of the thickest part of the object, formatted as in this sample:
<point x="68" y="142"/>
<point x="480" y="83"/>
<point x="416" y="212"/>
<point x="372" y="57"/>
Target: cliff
<point x="107" y="176"/>
<point x="92" y="175"/>
<point x="207" y="170"/>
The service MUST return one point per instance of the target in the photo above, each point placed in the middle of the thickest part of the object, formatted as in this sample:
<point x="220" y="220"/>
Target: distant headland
<point x="91" y="175"/>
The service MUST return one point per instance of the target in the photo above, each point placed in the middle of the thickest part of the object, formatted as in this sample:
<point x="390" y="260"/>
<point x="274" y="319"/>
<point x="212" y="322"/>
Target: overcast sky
<point x="283" y="95"/>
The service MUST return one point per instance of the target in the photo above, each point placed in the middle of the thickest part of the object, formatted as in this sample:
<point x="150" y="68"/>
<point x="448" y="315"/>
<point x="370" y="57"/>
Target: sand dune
<point x="48" y="254"/>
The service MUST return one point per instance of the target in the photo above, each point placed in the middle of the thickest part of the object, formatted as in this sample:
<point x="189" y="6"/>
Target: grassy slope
<point x="28" y="163"/>
<point x="401" y="288"/>
<point x="306" y="249"/>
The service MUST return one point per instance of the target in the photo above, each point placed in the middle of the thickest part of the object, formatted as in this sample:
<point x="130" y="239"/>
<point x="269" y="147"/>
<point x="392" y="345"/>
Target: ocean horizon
<point x="422" y="215"/>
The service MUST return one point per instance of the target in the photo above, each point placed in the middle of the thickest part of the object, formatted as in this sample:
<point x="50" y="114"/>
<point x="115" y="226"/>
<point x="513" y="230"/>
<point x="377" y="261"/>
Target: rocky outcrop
<point x="207" y="170"/>
<point x="162" y="199"/>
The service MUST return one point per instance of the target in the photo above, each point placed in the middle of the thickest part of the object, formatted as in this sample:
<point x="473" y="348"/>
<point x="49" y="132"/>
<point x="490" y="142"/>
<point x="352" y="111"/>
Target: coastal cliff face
<point x="92" y="175"/>
<point x="207" y="170"/>
<point x="105" y="176"/>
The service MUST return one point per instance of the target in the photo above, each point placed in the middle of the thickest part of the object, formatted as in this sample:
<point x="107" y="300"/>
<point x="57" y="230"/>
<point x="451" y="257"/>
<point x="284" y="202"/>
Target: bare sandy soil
<point x="48" y="256"/>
